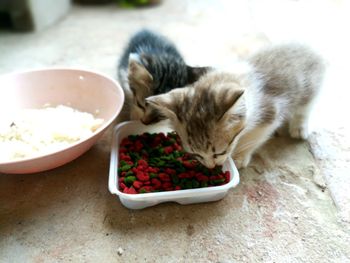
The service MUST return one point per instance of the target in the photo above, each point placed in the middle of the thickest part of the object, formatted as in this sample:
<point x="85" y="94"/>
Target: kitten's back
<point x="146" y="41"/>
<point x="293" y="70"/>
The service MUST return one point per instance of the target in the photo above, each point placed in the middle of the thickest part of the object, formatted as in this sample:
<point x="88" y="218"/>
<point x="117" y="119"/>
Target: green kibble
<point x="188" y="185"/>
<point x="122" y="163"/>
<point x="167" y="158"/>
<point x="180" y="169"/>
<point x="161" y="150"/>
<point x="129" y="173"/>
<point x="169" y="142"/>
<point x="217" y="170"/>
<point x="183" y="182"/>
<point x="153" y="175"/>
<point x="206" y="172"/>
<point x="204" y="184"/>
<point x="219" y="181"/>
<point x="135" y="156"/>
<point x="177" y="154"/>
<point x="172" y="135"/>
<point x="133" y="137"/>
<point x="129" y="180"/>
<point x="125" y="167"/>
<point x="142" y="191"/>
<point x="195" y="184"/>
<point x="175" y="179"/>
<point x="160" y="163"/>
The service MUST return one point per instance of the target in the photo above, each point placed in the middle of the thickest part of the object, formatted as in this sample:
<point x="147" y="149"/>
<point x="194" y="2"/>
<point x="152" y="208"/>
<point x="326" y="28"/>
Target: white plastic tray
<point x="139" y="201"/>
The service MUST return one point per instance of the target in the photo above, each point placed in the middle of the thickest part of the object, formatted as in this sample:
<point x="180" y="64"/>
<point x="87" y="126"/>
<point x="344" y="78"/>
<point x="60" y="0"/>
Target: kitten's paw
<point x="299" y="131"/>
<point x="242" y="161"/>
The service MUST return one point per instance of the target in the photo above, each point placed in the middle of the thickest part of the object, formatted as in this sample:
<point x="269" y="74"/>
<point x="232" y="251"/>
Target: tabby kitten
<point x="152" y="65"/>
<point x="234" y="111"/>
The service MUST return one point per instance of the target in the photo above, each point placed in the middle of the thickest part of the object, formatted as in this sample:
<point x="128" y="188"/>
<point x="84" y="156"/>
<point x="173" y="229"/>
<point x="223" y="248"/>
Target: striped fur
<point x="152" y="65"/>
<point x="234" y="111"/>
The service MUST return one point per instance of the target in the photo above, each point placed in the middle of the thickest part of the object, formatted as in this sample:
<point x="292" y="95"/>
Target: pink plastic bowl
<point x="80" y="89"/>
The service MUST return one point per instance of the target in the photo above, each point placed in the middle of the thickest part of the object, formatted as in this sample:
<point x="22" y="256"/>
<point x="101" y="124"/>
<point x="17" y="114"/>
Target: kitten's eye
<point x="218" y="154"/>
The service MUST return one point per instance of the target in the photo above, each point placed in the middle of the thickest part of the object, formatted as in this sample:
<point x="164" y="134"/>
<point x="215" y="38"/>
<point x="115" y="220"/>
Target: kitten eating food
<point x="152" y="65"/>
<point x="236" y="110"/>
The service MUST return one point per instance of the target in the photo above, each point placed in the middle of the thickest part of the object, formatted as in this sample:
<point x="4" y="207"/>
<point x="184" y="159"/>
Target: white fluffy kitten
<point x="234" y="111"/>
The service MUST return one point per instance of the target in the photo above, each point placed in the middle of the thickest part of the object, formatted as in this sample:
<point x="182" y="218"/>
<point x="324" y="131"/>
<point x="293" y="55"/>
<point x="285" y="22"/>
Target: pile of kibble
<point x="156" y="162"/>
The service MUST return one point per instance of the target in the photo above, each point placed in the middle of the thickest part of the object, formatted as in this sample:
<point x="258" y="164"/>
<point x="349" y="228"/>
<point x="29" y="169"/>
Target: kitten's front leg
<point x="249" y="142"/>
<point x="242" y="161"/>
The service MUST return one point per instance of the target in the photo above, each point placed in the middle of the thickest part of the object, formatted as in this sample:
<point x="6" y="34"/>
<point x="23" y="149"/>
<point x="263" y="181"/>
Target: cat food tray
<point x="188" y="196"/>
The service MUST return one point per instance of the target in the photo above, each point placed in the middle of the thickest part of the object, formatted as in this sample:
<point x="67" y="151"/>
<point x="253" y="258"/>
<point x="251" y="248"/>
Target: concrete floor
<point x="293" y="202"/>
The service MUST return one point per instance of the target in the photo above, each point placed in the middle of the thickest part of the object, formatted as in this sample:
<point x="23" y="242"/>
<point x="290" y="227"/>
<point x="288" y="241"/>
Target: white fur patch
<point x="134" y="57"/>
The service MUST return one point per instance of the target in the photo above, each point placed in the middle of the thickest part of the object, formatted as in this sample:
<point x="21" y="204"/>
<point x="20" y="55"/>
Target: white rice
<point x="32" y="132"/>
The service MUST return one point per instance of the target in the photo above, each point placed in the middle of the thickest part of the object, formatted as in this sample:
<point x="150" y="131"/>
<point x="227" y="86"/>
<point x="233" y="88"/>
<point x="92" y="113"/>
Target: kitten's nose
<point x="210" y="164"/>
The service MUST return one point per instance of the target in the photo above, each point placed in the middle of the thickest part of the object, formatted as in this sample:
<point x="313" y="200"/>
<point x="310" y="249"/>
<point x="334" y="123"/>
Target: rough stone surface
<point x="293" y="202"/>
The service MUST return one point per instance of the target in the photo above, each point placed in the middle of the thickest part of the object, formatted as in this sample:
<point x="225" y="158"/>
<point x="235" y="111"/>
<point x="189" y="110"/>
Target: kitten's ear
<point x="194" y="73"/>
<point x="160" y="107"/>
<point x="230" y="104"/>
<point x="140" y="80"/>
<point x="152" y="115"/>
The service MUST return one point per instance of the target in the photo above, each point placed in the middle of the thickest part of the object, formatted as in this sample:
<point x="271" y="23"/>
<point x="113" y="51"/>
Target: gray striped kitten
<point x="152" y="65"/>
<point x="234" y="111"/>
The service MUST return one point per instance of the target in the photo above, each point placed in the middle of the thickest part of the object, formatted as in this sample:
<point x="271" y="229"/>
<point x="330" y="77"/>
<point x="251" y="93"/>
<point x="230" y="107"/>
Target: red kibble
<point x="170" y="171"/>
<point x="177" y="147"/>
<point x="164" y="177"/>
<point x="123" y="150"/>
<point x="168" y="150"/>
<point x="166" y="184"/>
<point x="130" y="190"/>
<point x="183" y="175"/>
<point x="142" y="176"/>
<point x="124" y="157"/>
<point x="162" y="136"/>
<point x="156" y="142"/>
<point x="137" y="184"/>
<point x="213" y="177"/>
<point x="151" y="170"/>
<point x="191" y="174"/>
<point x="227" y="176"/>
<point x="142" y="163"/>
<point x="188" y="164"/>
<point x="122" y="186"/>
<point x="147" y="188"/>
<point x="126" y="142"/>
<point x="201" y="177"/>
<point x="156" y="183"/>
<point x="138" y="146"/>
